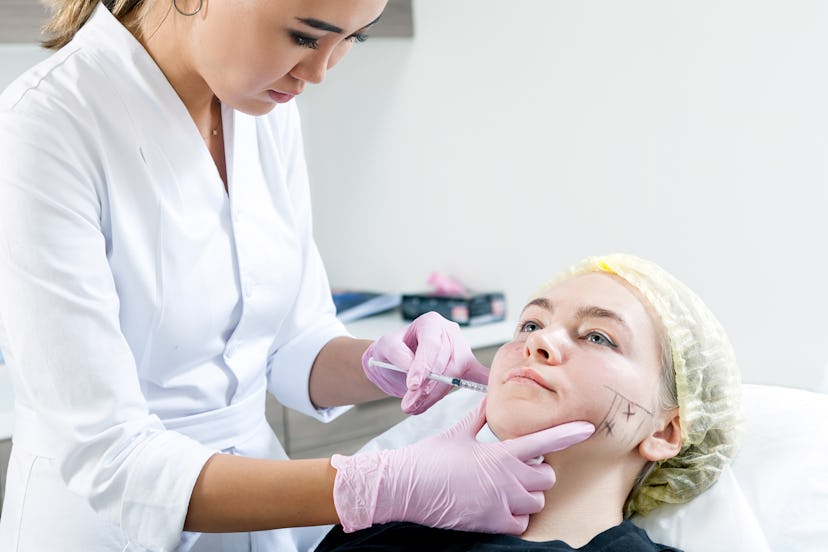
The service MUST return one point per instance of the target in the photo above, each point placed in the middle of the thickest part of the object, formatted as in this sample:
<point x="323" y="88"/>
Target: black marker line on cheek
<point x="624" y="409"/>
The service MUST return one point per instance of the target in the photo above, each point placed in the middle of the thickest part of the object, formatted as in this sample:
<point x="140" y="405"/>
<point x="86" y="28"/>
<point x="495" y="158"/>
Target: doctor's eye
<point x="600" y="339"/>
<point x="358" y="37"/>
<point x="305" y="41"/>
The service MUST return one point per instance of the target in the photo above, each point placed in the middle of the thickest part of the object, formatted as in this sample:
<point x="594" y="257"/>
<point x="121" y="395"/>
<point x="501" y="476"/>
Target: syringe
<point x="457" y="382"/>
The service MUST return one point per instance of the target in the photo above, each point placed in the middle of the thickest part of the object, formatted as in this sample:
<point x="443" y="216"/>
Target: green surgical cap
<point x="708" y="384"/>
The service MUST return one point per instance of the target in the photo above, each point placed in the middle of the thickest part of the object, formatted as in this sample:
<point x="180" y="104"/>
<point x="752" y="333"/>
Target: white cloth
<point x="143" y="311"/>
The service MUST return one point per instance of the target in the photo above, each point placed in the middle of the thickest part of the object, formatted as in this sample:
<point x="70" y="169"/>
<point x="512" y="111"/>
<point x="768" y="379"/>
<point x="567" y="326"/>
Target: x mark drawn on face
<point x="617" y="409"/>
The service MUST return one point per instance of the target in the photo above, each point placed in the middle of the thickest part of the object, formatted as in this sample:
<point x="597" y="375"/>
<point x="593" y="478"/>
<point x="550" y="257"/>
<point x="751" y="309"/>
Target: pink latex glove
<point x="429" y="344"/>
<point x="451" y="480"/>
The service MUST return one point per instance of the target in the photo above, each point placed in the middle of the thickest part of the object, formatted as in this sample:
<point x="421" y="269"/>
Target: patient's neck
<point x="587" y="499"/>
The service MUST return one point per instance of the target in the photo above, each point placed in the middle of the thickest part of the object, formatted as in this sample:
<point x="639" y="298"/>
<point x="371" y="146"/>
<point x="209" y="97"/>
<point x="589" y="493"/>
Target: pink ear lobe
<point x="663" y="443"/>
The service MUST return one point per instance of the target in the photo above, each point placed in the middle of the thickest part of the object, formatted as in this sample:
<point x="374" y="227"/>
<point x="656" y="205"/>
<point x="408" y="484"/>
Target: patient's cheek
<point x="623" y="417"/>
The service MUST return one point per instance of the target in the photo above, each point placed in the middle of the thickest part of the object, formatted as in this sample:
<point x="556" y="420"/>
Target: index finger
<point x="548" y="440"/>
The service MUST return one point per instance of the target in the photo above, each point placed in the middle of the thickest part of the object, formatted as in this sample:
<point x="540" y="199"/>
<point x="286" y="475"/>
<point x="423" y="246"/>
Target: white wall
<point x="16" y="58"/>
<point x="509" y="139"/>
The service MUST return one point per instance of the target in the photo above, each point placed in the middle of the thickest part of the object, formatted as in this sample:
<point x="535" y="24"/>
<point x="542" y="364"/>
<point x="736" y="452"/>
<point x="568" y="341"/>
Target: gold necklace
<point x="214" y="132"/>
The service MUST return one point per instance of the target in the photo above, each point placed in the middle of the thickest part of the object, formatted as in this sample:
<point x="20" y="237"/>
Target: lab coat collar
<point x="151" y="106"/>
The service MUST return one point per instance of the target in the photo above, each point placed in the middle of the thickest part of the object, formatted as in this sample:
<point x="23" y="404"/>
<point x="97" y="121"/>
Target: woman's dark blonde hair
<point x="68" y="16"/>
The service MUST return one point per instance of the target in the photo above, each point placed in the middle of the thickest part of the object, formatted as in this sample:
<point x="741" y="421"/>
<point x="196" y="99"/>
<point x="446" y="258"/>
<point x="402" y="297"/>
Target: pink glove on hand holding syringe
<point x="429" y="345"/>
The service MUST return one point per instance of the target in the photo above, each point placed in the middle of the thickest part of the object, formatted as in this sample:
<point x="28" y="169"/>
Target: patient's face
<point x="587" y="350"/>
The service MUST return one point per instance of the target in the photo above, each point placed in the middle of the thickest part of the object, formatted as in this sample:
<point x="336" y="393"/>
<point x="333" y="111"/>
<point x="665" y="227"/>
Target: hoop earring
<point x="188" y="14"/>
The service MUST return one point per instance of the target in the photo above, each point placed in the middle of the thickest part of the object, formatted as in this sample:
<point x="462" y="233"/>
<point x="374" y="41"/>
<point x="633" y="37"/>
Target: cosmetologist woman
<point x="158" y="276"/>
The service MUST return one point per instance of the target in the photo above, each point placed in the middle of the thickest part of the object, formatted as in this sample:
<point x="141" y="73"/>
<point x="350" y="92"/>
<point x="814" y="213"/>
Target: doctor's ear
<point x="662" y="443"/>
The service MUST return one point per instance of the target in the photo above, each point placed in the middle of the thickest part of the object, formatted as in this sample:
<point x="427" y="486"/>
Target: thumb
<point x="471" y="424"/>
<point x="476" y="372"/>
<point x="548" y="440"/>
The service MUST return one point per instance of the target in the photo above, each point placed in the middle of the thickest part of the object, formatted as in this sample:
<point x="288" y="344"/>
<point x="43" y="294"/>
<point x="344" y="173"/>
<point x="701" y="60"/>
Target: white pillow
<point x="783" y="465"/>
<point x="774" y="497"/>
<point x="719" y="520"/>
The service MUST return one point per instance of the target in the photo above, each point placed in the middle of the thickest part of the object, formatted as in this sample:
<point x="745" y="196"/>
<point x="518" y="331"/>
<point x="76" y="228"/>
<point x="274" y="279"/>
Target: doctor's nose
<point x="312" y="69"/>
<point x="544" y="346"/>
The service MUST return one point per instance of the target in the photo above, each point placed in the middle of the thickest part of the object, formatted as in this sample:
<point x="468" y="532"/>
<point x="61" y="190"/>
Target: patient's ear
<point x="663" y="443"/>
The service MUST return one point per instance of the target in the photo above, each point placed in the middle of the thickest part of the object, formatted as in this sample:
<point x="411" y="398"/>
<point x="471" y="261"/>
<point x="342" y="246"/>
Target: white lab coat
<point x="143" y="311"/>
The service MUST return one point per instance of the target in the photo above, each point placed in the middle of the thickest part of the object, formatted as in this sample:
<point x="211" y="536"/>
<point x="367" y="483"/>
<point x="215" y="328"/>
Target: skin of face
<point x="242" y="49"/>
<point x="586" y="350"/>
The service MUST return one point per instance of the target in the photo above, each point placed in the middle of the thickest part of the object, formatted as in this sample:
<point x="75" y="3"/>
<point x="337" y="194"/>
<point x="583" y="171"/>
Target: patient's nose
<point x="543" y="346"/>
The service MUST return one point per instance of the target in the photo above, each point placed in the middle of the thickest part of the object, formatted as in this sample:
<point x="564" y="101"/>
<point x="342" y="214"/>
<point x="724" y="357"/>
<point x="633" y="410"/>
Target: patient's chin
<point x="511" y="429"/>
<point x="497" y="429"/>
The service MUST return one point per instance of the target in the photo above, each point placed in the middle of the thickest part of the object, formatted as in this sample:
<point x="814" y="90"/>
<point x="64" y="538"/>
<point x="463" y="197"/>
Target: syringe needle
<point x="456" y="382"/>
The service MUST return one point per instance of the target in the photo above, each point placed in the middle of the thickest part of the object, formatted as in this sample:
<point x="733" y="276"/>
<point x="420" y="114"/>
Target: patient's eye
<point x="600" y="339"/>
<point x="528" y="326"/>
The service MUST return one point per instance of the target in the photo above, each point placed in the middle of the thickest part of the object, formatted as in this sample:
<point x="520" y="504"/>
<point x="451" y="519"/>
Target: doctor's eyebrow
<point x="329" y="27"/>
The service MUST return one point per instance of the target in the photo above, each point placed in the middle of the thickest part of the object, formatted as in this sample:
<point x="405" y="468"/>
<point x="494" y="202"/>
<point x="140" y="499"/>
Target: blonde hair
<point x="68" y="16"/>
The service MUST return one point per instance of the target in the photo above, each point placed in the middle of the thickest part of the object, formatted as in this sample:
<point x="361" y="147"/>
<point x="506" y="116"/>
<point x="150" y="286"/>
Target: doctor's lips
<point x="280" y="97"/>
<point x="527" y="375"/>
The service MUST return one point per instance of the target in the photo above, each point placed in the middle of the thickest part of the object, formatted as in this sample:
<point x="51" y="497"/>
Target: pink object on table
<point x="445" y="285"/>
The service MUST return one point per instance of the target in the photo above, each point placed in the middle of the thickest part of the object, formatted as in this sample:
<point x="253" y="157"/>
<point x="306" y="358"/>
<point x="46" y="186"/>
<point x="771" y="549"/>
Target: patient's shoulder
<point x="625" y="536"/>
<point x="399" y="537"/>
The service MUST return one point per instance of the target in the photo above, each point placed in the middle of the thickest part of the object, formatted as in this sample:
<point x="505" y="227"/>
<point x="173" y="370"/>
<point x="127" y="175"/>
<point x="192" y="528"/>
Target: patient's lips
<point x="527" y="376"/>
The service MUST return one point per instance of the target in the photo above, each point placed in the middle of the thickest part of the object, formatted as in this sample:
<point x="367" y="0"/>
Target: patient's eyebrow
<point x="584" y="311"/>
<point x="541" y="302"/>
<point x="590" y="311"/>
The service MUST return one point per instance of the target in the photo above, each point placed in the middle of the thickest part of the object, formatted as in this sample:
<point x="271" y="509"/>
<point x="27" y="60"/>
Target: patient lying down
<point x="618" y="342"/>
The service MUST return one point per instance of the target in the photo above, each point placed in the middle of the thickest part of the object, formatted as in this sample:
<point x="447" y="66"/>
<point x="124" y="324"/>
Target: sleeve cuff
<point x="290" y="367"/>
<point x="158" y="492"/>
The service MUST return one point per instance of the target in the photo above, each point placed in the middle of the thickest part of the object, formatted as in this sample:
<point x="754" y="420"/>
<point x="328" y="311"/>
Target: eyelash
<point x="305" y="41"/>
<point x="523" y="325"/>
<point x="313" y="43"/>
<point x="609" y="342"/>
